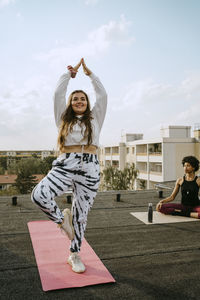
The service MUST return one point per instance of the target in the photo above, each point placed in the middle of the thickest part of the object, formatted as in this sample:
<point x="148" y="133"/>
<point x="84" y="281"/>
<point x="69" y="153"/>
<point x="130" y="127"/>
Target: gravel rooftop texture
<point x="147" y="262"/>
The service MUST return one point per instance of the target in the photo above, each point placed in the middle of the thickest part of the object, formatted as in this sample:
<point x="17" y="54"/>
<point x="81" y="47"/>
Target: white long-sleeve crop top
<point x="98" y="111"/>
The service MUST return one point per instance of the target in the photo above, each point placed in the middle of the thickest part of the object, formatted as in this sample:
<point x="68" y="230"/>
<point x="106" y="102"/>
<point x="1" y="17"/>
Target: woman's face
<point x="188" y="168"/>
<point x="79" y="103"/>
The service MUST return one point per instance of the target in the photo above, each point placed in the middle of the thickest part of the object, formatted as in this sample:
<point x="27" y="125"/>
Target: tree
<point x="25" y="180"/>
<point x="142" y="184"/>
<point x="2" y="171"/>
<point x="132" y="174"/>
<point x="12" y="167"/>
<point x="9" y="192"/>
<point x="109" y="175"/>
<point x="25" y="169"/>
<point x="46" y="164"/>
<point x="115" y="179"/>
<point x="38" y="166"/>
<point x="3" y="163"/>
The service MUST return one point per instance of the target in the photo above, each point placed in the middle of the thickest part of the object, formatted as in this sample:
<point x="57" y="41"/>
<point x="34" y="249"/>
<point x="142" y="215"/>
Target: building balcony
<point x="156" y="173"/>
<point x="141" y="153"/>
<point x="115" y="157"/>
<point x="107" y="157"/>
<point x="155" y="158"/>
<point x="143" y="175"/>
<point x="155" y="153"/>
<point x="107" y="164"/>
<point x="141" y="157"/>
<point x="142" y="171"/>
<point x="115" y="164"/>
<point x="156" y="176"/>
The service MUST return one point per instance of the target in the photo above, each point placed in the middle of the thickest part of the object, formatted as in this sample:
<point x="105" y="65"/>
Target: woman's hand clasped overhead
<point x="74" y="70"/>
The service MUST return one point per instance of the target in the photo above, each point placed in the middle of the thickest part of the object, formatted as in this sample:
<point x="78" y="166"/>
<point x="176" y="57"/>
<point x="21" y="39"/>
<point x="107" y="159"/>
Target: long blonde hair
<point x="68" y="119"/>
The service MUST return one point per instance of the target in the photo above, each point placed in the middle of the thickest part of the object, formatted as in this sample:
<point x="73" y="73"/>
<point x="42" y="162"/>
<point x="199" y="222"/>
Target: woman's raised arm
<point x="100" y="106"/>
<point x="61" y="90"/>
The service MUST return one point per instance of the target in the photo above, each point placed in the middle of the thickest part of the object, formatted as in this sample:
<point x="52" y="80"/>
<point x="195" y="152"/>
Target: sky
<point x="145" y="52"/>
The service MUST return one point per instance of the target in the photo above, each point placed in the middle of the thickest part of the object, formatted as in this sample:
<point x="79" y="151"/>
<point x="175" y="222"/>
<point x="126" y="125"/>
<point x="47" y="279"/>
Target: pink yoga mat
<point x="51" y="250"/>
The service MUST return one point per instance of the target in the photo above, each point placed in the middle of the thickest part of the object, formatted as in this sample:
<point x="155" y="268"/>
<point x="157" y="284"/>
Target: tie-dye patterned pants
<point x="79" y="171"/>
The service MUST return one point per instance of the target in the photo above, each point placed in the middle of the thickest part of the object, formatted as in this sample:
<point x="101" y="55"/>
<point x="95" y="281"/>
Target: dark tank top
<point x="189" y="191"/>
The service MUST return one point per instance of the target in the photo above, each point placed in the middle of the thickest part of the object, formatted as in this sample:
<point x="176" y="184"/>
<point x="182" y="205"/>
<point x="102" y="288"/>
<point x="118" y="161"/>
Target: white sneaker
<point x="67" y="226"/>
<point x="75" y="261"/>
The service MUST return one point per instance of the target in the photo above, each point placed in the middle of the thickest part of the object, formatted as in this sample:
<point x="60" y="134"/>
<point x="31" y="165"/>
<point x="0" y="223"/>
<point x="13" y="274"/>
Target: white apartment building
<point x="158" y="160"/>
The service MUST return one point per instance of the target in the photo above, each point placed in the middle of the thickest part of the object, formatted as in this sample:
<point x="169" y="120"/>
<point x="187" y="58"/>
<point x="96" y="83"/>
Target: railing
<point x="155" y="173"/>
<point x="155" y="153"/>
<point x="162" y="186"/>
<point x="142" y="171"/>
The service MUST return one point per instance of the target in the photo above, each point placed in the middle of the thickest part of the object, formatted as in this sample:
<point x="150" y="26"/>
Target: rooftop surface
<point x="147" y="261"/>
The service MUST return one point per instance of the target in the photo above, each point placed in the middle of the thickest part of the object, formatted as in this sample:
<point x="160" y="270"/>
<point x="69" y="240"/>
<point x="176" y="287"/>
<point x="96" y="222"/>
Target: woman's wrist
<point x="166" y="200"/>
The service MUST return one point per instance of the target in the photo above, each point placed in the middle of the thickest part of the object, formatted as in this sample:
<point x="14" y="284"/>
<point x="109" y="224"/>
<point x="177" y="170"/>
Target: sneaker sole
<point x="67" y="212"/>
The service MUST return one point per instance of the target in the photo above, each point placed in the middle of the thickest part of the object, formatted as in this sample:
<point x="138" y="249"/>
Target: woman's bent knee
<point x="34" y="195"/>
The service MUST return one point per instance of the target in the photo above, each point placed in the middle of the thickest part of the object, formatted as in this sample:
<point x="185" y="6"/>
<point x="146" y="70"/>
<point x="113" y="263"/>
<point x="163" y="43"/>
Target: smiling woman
<point x="79" y="102"/>
<point x="77" y="166"/>
<point x="78" y="110"/>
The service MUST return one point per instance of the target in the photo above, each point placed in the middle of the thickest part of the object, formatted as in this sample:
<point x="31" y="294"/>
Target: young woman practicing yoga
<point x="77" y="166"/>
<point x="189" y="184"/>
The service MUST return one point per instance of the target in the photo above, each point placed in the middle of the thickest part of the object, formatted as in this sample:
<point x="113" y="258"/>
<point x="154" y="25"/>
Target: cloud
<point x="191" y="113"/>
<point x="112" y="33"/>
<point x="190" y="86"/>
<point x="4" y="3"/>
<point x="148" y="92"/>
<point x="97" y="42"/>
<point x="146" y="105"/>
<point x="19" y="15"/>
<point x="143" y="92"/>
<point x="27" y="119"/>
<point x="91" y="2"/>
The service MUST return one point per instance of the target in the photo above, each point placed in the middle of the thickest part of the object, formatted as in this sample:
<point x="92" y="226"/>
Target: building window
<point x="107" y="163"/>
<point x="155" y="148"/>
<point x="133" y="150"/>
<point x="127" y="150"/>
<point x="115" y="163"/>
<point x="115" y="150"/>
<point x="107" y="150"/>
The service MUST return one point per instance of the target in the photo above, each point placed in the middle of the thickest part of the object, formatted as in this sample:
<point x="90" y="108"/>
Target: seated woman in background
<point x="189" y="184"/>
